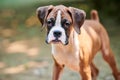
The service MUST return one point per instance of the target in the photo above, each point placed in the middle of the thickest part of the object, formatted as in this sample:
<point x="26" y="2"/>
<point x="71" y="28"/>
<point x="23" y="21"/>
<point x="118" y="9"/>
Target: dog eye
<point x="67" y="23"/>
<point x="49" y="21"/>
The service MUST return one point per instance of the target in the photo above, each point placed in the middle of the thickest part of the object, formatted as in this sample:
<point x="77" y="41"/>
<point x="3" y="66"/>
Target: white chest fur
<point x="67" y="55"/>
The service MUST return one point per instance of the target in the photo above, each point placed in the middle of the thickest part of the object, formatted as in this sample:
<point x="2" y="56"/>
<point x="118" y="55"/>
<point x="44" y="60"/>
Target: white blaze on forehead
<point x="58" y="19"/>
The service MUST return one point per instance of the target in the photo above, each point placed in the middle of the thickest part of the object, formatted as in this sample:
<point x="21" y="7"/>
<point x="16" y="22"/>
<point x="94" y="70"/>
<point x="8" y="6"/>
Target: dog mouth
<point x="57" y="41"/>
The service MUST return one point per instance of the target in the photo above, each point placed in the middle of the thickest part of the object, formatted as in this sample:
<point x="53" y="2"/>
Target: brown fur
<point x="93" y="38"/>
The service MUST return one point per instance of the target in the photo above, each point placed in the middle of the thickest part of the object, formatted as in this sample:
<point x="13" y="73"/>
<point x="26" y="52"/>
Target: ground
<point x="30" y="58"/>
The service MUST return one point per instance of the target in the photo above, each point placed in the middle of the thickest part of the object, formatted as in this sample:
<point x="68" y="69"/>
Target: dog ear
<point x="78" y="17"/>
<point x="42" y="13"/>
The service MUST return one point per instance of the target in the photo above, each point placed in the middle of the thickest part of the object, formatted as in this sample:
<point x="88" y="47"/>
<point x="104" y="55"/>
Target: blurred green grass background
<point x="24" y="54"/>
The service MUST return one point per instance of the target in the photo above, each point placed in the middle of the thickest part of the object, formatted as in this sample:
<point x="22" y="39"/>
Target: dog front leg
<point x="85" y="72"/>
<point x="57" y="69"/>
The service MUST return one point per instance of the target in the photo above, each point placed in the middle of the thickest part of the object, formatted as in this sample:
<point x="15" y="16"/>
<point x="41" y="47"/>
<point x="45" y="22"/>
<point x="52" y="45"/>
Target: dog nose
<point x="57" y="34"/>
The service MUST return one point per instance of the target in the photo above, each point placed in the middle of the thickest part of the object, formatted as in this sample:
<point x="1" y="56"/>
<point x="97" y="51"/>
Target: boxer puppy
<point x="75" y="41"/>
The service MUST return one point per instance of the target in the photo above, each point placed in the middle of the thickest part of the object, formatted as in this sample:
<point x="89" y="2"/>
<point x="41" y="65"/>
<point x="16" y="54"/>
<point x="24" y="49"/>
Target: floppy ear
<point x="78" y="17"/>
<point x="42" y="13"/>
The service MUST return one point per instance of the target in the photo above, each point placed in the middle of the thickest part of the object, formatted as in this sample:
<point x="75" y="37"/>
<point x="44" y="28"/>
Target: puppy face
<point x="58" y="27"/>
<point x="59" y="21"/>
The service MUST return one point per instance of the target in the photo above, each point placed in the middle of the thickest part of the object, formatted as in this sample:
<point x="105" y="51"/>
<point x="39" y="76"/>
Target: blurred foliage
<point x="109" y="7"/>
<point x="20" y="15"/>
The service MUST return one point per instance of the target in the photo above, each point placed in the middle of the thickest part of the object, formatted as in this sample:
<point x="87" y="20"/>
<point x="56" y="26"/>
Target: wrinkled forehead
<point x="64" y="13"/>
